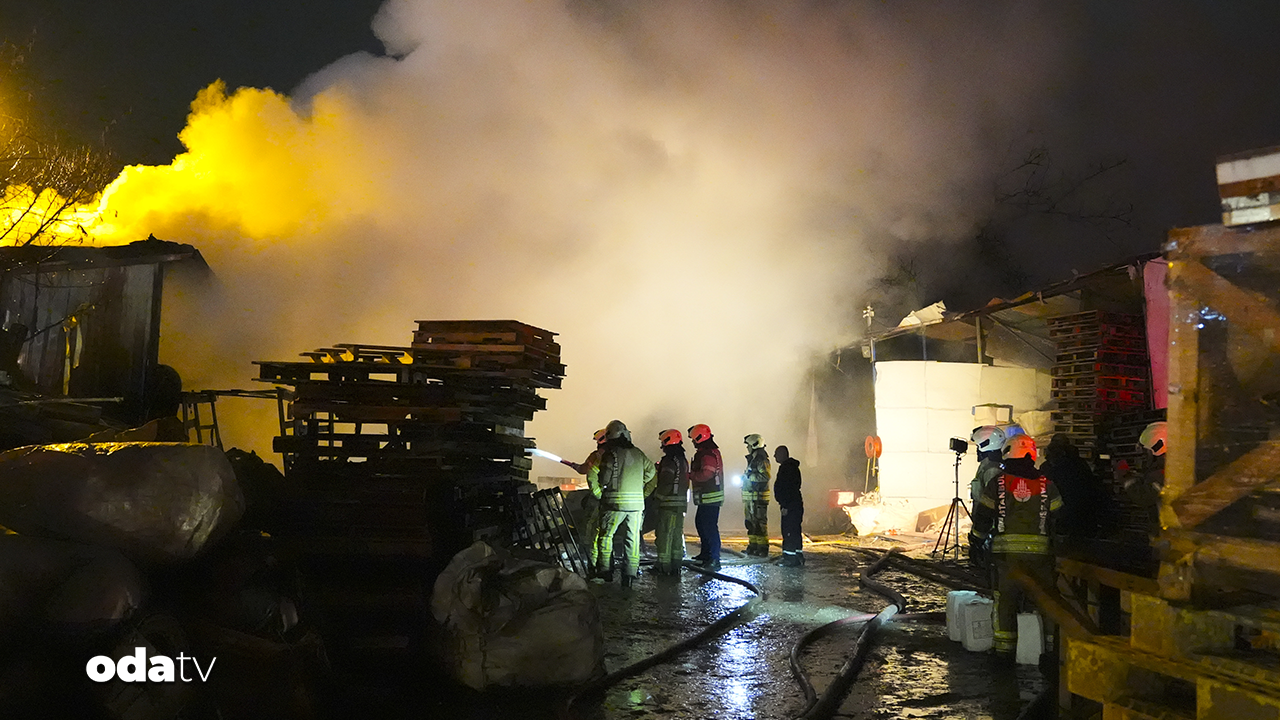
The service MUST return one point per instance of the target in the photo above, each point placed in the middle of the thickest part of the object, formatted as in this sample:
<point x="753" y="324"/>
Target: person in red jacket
<point x="706" y="478"/>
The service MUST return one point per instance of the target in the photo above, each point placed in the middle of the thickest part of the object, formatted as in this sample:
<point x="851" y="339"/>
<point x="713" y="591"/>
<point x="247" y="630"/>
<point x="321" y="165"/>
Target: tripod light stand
<point x="951" y="527"/>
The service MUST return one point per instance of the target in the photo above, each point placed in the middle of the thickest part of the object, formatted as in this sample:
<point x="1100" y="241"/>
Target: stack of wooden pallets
<point x="1101" y="369"/>
<point x="397" y="458"/>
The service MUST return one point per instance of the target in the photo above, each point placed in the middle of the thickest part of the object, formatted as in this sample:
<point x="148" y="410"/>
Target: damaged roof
<point x="1015" y="330"/>
<point x="141" y="252"/>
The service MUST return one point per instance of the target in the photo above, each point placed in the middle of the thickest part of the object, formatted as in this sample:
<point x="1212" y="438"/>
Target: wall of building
<point x="921" y="405"/>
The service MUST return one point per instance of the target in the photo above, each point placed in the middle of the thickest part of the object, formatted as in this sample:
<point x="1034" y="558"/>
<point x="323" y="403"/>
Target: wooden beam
<point x="1051" y="603"/>
<point x="1256" y="555"/>
<point x="1108" y="577"/>
<point x="1211" y="240"/>
<point x="1184" y="395"/>
<point x="1242" y="309"/>
<point x="1237" y="480"/>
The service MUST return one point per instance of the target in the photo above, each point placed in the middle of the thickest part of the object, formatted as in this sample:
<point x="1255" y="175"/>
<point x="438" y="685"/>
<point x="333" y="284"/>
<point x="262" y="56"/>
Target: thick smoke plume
<point x="691" y="193"/>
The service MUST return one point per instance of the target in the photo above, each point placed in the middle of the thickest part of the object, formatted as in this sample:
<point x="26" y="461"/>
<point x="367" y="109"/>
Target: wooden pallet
<point x="1100" y="381"/>
<point x="1098" y="369"/>
<point x="1095" y="318"/>
<point x="1086" y="341"/>
<point x="484" y="332"/>
<point x="1135" y="398"/>
<point x="1102" y="355"/>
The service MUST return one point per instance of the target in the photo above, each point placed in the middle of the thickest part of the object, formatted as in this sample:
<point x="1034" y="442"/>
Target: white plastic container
<point x="954" y="599"/>
<point x="976" y="626"/>
<point x="1030" y="638"/>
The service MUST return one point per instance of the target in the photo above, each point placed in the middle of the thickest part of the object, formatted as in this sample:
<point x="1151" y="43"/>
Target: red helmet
<point x="1019" y="446"/>
<point x="699" y="433"/>
<point x="670" y="437"/>
<point x="600" y="436"/>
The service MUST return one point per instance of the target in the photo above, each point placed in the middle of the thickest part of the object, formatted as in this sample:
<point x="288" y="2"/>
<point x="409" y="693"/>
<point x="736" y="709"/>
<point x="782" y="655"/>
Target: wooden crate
<point x="1224" y="431"/>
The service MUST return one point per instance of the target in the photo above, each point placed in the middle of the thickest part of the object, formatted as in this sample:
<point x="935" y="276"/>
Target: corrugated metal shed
<point x="92" y="316"/>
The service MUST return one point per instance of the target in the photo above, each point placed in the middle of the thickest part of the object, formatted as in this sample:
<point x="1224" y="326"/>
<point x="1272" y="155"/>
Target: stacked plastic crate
<point x="1102" y="369"/>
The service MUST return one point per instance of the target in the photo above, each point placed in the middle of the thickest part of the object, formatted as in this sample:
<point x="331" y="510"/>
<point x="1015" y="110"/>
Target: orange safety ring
<point x="873" y="447"/>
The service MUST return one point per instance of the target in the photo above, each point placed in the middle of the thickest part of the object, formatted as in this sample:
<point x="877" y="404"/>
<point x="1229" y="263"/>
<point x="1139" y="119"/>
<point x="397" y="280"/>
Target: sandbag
<point x="517" y="622"/>
<point x="155" y="502"/>
<point x="67" y="587"/>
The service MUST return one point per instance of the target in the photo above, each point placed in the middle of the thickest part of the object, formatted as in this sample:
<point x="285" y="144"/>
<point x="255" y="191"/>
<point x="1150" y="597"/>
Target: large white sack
<point x="517" y="622"/>
<point x="155" y="502"/>
<point x="56" y="585"/>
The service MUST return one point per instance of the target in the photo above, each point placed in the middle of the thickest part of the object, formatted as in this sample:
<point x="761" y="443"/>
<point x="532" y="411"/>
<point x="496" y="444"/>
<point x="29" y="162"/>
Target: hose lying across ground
<point x="816" y="706"/>
<point x="737" y="617"/>
<point x="825" y="706"/>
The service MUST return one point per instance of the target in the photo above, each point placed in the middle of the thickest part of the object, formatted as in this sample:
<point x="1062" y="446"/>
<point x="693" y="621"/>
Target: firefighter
<point x="987" y="442"/>
<point x="787" y="491"/>
<point x="621" y="480"/>
<point x="1143" y="487"/>
<point x="672" y="500"/>
<point x="1015" y="511"/>
<point x="755" y="496"/>
<point x="590" y="505"/>
<point x="582" y="467"/>
<point x="706" y="478"/>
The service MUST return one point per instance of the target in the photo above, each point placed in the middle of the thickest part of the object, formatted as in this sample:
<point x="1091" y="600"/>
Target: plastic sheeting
<point x="517" y="622"/>
<point x="155" y="502"/>
<point x="63" y="586"/>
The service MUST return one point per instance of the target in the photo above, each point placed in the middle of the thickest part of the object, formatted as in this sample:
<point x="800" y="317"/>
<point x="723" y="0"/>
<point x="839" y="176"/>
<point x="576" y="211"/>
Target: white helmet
<point x="987" y="438"/>
<point x="1155" y="437"/>
<point x="753" y="442"/>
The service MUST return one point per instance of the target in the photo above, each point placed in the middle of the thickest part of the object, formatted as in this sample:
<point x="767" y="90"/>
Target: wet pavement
<point x="913" y="670"/>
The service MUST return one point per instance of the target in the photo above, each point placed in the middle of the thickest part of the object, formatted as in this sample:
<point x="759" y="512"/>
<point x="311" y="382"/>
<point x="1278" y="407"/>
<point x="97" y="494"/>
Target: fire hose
<point x="742" y="614"/>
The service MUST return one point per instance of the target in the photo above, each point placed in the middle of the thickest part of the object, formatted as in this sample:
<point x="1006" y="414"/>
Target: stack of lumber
<point x="398" y="457"/>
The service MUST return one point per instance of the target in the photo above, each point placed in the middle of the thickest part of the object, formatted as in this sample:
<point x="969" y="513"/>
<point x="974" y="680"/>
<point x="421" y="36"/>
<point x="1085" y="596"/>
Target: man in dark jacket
<point x="671" y="499"/>
<point x="786" y="489"/>
<point x="706" y="478"/>
<point x="1084" y="499"/>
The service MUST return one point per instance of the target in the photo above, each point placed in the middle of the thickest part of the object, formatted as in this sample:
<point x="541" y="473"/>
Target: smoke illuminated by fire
<point x="690" y="193"/>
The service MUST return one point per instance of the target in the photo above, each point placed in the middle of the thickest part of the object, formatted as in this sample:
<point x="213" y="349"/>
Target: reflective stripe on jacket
<point x="755" y="481"/>
<point x="672" y="492"/>
<point x="623" y="477"/>
<point x="1017" y="510"/>
<point x="706" y="474"/>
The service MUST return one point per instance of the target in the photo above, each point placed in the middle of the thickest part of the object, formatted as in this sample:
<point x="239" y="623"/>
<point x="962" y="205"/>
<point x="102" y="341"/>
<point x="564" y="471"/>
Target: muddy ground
<point x="914" y="670"/>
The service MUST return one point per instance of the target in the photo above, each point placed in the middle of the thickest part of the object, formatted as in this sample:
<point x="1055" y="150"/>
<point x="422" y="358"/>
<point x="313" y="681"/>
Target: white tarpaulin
<point x="921" y="405"/>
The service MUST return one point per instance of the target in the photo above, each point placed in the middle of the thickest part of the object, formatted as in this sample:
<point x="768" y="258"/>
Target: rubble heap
<point x="396" y="458"/>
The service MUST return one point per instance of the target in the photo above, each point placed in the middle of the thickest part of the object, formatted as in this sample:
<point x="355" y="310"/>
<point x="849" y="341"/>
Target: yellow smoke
<point x="690" y="194"/>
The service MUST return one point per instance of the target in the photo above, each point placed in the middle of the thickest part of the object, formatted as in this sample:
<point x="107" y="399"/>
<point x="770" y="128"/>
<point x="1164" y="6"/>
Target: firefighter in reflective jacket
<point x="756" y="496"/>
<point x="622" y="479"/>
<point x="706" y="478"/>
<point x="1015" y="509"/>
<point x="672" y="499"/>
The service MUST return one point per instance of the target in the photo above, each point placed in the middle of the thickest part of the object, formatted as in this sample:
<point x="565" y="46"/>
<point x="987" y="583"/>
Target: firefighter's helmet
<point x="616" y="429"/>
<point x="1019" y="446"/>
<point x="754" y="442"/>
<point x="600" y="436"/>
<point x="987" y="438"/>
<point x="699" y="433"/>
<point x="670" y="437"/>
<point x="1155" y="437"/>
